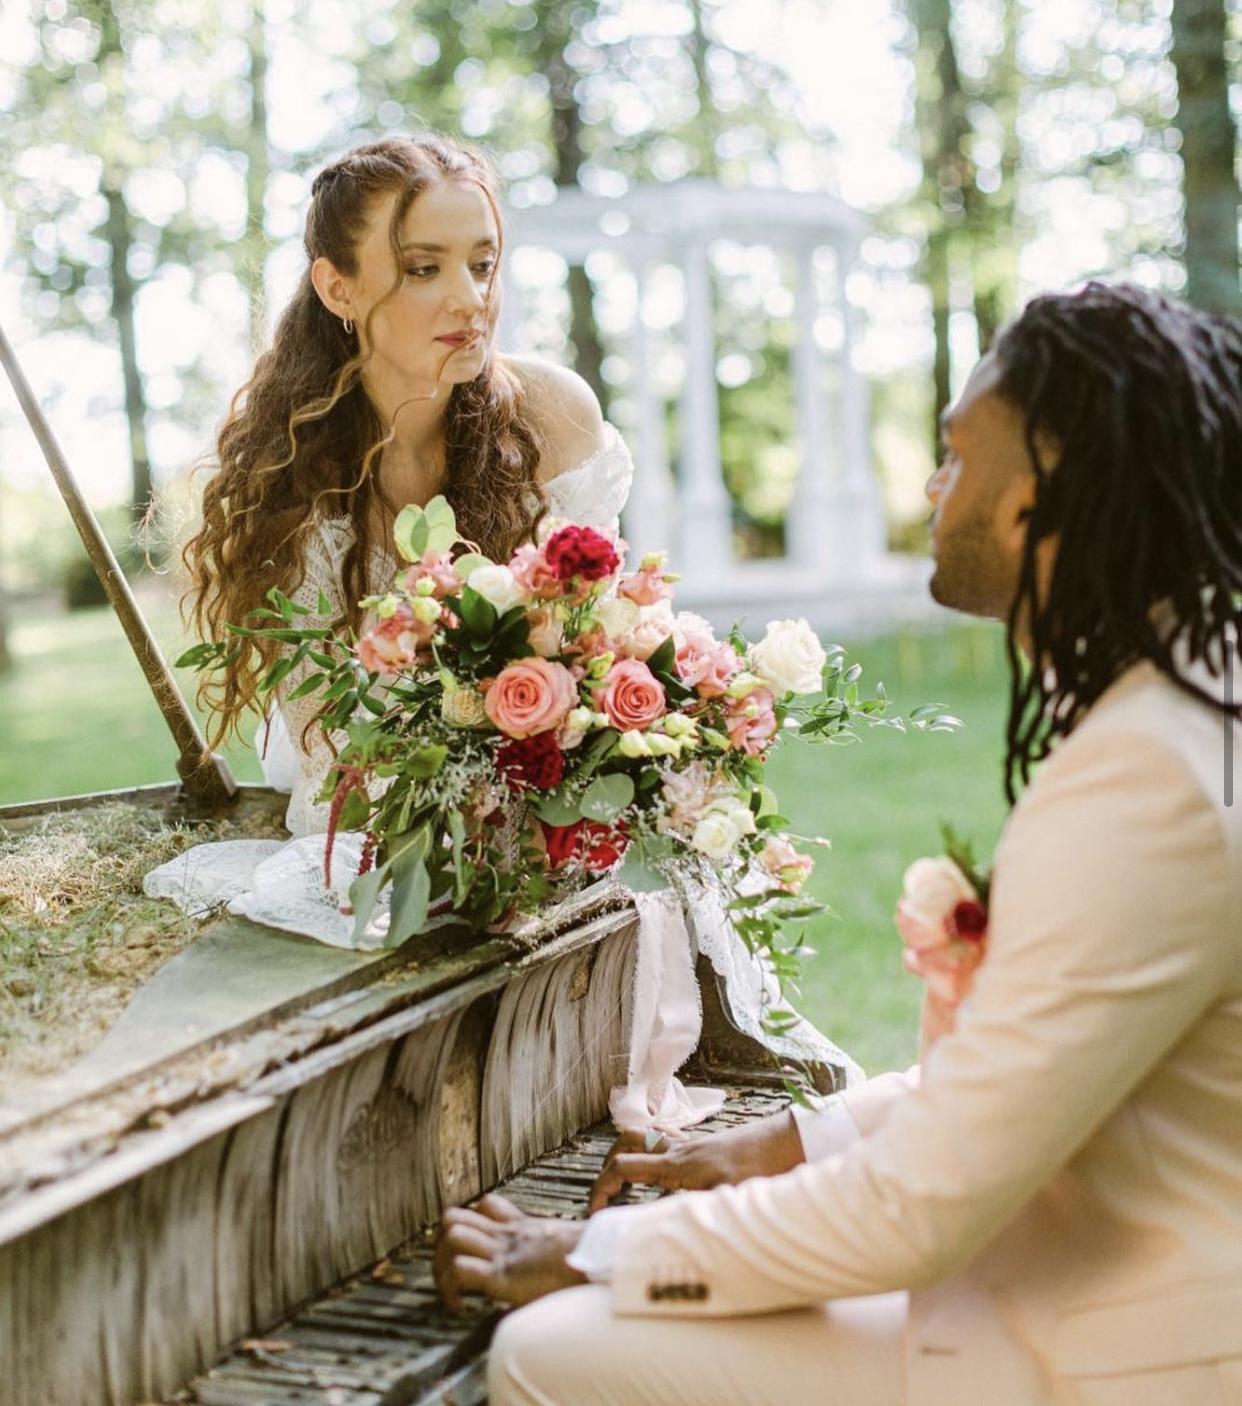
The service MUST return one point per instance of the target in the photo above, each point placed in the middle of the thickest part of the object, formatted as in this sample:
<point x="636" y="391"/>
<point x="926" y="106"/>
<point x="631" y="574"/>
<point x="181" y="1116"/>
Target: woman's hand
<point x="495" y="1249"/>
<point x="765" y="1148"/>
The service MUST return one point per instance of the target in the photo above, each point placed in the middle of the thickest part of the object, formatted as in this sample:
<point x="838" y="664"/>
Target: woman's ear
<point x="332" y="287"/>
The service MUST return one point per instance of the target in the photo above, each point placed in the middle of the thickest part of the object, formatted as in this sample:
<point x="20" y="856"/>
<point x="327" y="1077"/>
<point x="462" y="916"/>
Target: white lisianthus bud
<point x="715" y="835"/>
<point x="653" y="561"/>
<point x="617" y="616"/>
<point x="463" y="707"/>
<point x="386" y="607"/>
<point x="634" y="744"/>
<point x="581" y="718"/>
<point x="600" y="665"/>
<point x="932" y="888"/>
<point x="743" y="683"/>
<point x="663" y="746"/>
<point x="738" y="812"/>
<point x="789" y="657"/>
<point x="424" y="586"/>
<point x="498" y="585"/>
<point x="426" y="611"/>
<point x="678" y="725"/>
<point x="600" y="720"/>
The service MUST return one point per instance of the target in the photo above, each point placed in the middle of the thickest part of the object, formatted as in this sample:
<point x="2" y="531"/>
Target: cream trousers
<point x="569" y="1349"/>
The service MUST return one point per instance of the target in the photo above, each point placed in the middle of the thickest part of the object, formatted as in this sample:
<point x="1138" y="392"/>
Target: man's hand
<point x="493" y="1248"/>
<point x="765" y="1148"/>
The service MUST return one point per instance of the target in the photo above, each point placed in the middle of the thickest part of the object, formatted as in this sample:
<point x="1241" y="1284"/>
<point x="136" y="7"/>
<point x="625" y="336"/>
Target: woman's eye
<point x="484" y="270"/>
<point x="425" y="271"/>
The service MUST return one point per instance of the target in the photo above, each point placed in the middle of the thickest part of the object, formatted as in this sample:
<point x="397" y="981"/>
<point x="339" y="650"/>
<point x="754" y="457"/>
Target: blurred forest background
<point x="155" y="160"/>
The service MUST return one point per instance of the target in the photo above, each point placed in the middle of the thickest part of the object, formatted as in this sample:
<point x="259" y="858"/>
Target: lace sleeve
<point x="309" y="761"/>
<point x="595" y="491"/>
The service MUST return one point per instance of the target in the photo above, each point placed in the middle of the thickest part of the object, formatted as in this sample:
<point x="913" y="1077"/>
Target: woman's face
<point x="434" y="327"/>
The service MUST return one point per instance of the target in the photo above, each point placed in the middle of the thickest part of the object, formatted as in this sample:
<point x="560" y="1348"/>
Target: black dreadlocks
<point x="1142" y="398"/>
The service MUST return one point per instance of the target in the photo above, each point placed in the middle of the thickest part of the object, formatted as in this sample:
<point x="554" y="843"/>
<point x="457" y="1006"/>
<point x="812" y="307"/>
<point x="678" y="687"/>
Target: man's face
<point x="981" y="494"/>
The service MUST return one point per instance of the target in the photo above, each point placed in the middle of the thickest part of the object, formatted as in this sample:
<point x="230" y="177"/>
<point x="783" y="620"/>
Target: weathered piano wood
<point x="198" y="1198"/>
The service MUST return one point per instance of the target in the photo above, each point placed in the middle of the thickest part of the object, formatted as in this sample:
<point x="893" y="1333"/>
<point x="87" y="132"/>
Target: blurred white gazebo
<point x="836" y="568"/>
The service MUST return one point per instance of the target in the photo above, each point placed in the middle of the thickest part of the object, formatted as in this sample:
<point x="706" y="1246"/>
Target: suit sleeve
<point x="841" y="1119"/>
<point x="1108" y="939"/>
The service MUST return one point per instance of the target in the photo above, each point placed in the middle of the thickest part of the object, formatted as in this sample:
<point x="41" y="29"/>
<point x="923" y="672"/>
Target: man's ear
<point x="332" y="287"/>
<point x="1015" y="512"/>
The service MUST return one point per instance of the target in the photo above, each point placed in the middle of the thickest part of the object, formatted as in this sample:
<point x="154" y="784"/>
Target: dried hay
<point x="77" y="934"/>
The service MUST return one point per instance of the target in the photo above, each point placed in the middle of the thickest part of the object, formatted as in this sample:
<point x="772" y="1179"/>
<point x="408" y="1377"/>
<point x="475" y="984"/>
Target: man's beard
<point x="972" y="575"/>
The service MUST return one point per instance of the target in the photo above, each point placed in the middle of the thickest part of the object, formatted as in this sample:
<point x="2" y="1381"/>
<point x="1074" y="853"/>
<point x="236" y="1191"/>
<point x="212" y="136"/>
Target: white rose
<point x="463" y="707"/>
<point x="932" y="888"/>
<point x="789" y="657"/>
<point x="715" y="835"/>
<point x="617" y="616"/>
<point x="497" y="585"/>
<point x="738" y="813"/>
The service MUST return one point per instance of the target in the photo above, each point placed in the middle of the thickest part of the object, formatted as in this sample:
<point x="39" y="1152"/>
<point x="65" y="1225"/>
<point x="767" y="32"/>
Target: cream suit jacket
<point x="1061" y="1189"/>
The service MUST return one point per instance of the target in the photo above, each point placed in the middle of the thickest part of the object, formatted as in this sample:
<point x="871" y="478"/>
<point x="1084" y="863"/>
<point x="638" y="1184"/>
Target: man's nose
<point x="934" y="488"/>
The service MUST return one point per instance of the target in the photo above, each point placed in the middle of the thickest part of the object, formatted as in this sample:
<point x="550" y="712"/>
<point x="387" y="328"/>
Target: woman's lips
<point x="458" y="339"/>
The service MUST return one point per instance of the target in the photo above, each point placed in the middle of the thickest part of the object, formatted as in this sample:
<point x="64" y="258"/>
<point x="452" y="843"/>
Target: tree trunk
<point x="258" y="169"/>
<point x="708" y="124"/>
<point x="119" y="234"/>
<point x="992" y="215"/>
<point x="559" y="28"/>
<point x="940" y="109"/>
<point x="1208" y="149"/>
<point x="120" y="241"/>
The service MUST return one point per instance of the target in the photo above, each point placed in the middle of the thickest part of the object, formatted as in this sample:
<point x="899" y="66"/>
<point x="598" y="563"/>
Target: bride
<point x="383" y="387"/>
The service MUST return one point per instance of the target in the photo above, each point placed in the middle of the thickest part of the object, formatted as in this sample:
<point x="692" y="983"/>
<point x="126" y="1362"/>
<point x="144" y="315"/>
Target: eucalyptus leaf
<point x="556" y="808"/>
<point x="410" y="532"/>
<point x="363" y="893"/>
<point x="468" y="563"/>
<point x="479" y="614"/>
<point x="638" y="874"/>
<point x="606" y="797"/>
<point x="411" y="896"/>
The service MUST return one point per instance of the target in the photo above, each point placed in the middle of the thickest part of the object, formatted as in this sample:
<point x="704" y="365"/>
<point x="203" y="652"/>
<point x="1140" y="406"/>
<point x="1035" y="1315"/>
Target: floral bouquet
<point x="512" y="730"/>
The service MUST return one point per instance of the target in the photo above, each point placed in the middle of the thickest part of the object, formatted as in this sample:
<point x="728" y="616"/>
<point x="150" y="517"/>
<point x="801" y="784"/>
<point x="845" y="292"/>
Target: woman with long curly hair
<point x="383" y="386"/>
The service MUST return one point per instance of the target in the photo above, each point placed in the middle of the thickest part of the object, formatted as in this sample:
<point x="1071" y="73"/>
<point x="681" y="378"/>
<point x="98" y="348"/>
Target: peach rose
<point x="393" y="644"/>
<point x="546" y="635"/>
<point x="645" y="587"/>
<point x="788" y="866"/>
<point x="631" y="695"/>
<point x="530" y="696"/>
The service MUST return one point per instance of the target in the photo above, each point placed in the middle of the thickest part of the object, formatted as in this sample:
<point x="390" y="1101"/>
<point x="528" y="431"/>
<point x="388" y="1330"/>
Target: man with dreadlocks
<point x="1049" y="1210"/>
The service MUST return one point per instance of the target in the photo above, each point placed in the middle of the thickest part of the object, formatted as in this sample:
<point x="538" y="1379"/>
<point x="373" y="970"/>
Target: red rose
<point x="595" y="846"/>
<point x="969" y="921"/>
<point x="581" y="551"/>
<point x="531" y="761"/>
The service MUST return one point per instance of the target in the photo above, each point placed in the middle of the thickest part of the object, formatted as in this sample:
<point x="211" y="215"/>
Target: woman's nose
<point x="466" y="293"/>
<point x="934" y="487"/>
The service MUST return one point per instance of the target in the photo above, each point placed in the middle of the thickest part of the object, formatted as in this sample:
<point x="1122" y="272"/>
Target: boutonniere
<point x="942" y="917"/>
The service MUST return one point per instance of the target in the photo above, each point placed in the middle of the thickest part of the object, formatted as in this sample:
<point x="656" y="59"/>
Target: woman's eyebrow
<point x="486" y="243"/>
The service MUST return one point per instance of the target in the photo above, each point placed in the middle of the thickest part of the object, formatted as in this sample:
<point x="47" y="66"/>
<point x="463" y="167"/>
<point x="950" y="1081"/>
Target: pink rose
<point x="645" y="587"/>
<point x="529" y="696"/>
<point x="751" y="722"/>
<point x="706" y="664"/>
<point x="631" y="695"/>
<point x="393" y="644"/>
<point x="437" y="567"/>
<point x="533" y="573"/>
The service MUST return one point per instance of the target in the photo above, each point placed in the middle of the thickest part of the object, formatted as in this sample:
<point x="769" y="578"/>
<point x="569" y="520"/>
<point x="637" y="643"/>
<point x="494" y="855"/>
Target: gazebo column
<point x="867" y="535"/>
<point x="651" y="514"/>
<point x="809" y="523"/>
<point x="706" y="517"/>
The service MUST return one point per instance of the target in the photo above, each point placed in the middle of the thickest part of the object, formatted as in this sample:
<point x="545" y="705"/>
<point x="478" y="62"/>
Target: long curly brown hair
<point x="302" y="438"/>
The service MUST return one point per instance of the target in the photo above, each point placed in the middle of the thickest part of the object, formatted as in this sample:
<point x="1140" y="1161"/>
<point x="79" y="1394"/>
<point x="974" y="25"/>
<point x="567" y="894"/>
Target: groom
<point x="1049" y="1209"/>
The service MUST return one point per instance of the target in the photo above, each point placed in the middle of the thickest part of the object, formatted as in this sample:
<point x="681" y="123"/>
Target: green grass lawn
<point x="77" y="717"/>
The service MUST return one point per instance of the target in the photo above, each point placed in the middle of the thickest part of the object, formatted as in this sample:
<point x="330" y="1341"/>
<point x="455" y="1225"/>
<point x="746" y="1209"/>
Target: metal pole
<point x="207" y="783"/>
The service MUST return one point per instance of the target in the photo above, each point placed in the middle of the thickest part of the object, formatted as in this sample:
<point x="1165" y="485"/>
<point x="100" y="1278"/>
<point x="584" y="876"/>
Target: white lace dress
<point x="281" y="883"/>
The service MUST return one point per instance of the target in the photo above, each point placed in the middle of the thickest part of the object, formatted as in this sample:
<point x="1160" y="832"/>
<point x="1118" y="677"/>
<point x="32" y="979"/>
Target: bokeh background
<point x="155" y="160"/>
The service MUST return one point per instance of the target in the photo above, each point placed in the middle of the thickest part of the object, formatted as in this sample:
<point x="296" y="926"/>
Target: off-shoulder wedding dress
<point x="281" y="883"/>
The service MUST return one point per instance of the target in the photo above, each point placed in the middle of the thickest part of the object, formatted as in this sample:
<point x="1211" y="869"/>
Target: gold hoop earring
<point x="348" y="325"/>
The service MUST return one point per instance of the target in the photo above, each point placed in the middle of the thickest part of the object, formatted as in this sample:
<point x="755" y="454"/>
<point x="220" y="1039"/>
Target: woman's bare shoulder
<point x="565" y="411"/>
